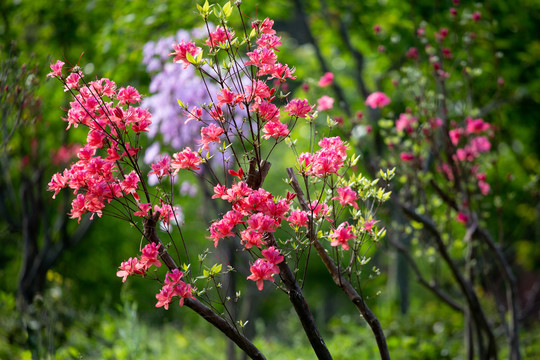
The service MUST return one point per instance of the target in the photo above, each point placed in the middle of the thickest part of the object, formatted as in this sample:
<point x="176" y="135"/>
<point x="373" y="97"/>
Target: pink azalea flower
<point x="275" y="129"/>
<point x="368" y="225"/>
<point x="128" y="95"/>
<point x="475" y="126"/>
<point x="56" y="69"/>
<point x="261" y="270"/>
<point x="185" y="159"/>
<point x="273" y="256"/>
<point x="210" y="134"/>
<point x="220" y="35"/>
<point x="165" y="296"/>
<point x="182" y="49"/>
<point x="149" y="256"/>
<point x="325" y="103"/>
<point x="346" y="196"/>
<point x="144" y="208"/>
<point x="455" y="134"/>
<point x="377" y="100"/>
<point x="298" y="107"/>
<point x="341" y="235"/>
<point x="161" y="167"/>
<point x="326" y="80"/>
<point x="298" y="218"/>
<point x="129" y="267"/>
<point x="250" y="238"/>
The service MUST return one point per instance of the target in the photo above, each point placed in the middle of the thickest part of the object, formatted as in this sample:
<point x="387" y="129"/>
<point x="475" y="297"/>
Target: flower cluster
<point x="174" y="286"/>
<point x="149" y="257"/>
<point x="328" y="160"/>
<point x="265" y="269"/>
<point x="109" y="117"/>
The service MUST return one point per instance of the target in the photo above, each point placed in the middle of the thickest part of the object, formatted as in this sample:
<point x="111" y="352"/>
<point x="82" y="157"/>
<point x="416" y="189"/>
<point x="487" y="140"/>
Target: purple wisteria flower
<point x="169" y="83"/>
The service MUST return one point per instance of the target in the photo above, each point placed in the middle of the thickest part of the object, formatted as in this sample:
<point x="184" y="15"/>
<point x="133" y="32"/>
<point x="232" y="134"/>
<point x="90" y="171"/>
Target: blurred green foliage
<point x="86" y="311"/>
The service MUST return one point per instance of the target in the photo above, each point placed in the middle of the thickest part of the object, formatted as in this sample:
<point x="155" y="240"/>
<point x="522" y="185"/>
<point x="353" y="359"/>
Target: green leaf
<point x="206" y="6"/>
<point x="227" y="9"/>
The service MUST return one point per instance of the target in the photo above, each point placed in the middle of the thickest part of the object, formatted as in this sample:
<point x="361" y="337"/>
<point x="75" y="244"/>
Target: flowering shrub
<point x="333" y="211"/>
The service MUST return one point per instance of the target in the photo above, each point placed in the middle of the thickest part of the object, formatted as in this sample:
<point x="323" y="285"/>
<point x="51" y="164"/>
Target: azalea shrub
<point x="244" y="116"/>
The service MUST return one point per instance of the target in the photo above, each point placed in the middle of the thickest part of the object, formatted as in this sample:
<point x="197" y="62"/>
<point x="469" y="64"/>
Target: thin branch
<point x="204" y="311"/>
<point x="427" y="284"/>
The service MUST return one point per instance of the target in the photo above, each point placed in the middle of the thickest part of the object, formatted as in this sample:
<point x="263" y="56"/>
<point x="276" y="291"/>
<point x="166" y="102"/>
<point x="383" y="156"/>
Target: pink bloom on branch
<point x="455" y="134"/>
<point x="342" y="235"/>
<point x="250" y="238"/>
<point x="220" y="36"/>
<point x="298" y="107"/>
<point x="149" y="256"/>
<point x="182" y="49"/>
<point x="128" y="95"/>
<point x="72" y="81"/>
<point x="161" y="167"/>
<point x="476" y="16"/>
<point x="275" y="130"/>
<point x="185" y="159"/>
<point x="184" y="291"/>
<point x="347" y="196"/>
<point x="143" y="209"/>
<point x="270" y="41"/>
<point x="326" y="80"/>
<point x="368" y="225"/>
<point x="261" y="57"/>
<point x="266" y="26"/>
<point x="165" y="296"/>
<point x="484" y="187"/>
<point x="210" y="134"/>
<point x="261" y="270"/>
<point x="475" y="126"/>
<point x="480" y="144"/>
<point x="56" y="69"/>
<point x="273" y="256"/>
<point x="129" y="184"/>
<point x="298" y="218"/>
<point x="129" y="267"/>
<point x="262" y="223"/>
<point x="325" y="103"/>
<point x="377" y="100"/>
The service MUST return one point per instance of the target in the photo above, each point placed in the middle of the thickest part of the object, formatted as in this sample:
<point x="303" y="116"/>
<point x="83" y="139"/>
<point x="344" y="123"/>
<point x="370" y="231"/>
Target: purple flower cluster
<point x="169" y="83"/>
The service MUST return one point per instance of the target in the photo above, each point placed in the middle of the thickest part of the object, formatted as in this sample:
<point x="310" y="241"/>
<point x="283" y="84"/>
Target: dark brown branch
<point x="300" y="305"/>
<point x="339" y="279"/>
